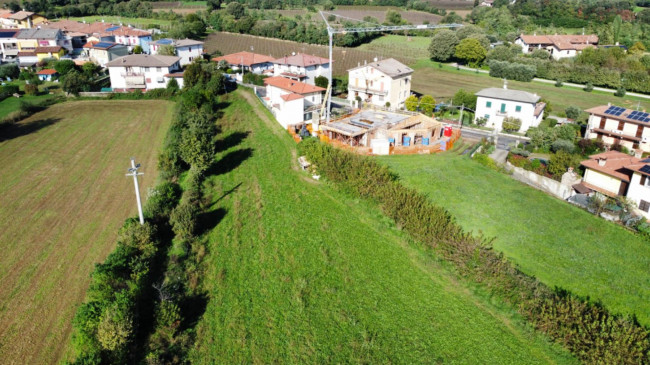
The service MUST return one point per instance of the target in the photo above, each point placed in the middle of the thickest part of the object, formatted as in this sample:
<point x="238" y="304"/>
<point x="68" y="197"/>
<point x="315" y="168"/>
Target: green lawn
<point x="558" y="243"/>
<point x="443" y="82"/>
<point x="298" y="272"/>
<point x="139" y="22"/>
<point x="388" y="46"/>
<point x="12" y="104"/>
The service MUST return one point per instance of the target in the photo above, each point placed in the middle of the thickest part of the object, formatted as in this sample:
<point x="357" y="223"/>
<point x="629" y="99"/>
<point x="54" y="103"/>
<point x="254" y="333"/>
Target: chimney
<point x="358" y="64"/>
<point x="609" y="104"/>
<point x="570" y="169"/>
<point x="293" y="53"/>
<point x="602" y="161"/>
<point x="365" y="62"/>
<point x="375" y="59"/>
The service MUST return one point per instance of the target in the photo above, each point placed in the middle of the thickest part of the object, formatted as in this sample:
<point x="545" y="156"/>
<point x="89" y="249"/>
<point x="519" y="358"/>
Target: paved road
<point x="644" y="96"/>
<point x="502" y="142"/>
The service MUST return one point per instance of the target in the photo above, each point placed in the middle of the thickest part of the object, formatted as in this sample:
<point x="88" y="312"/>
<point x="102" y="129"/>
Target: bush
<point x="10" y="89"/>
<point x="551" y="122"/>
<point x="590" y="146"/>
<point x="512" y="71"/>
<point x="563" y="145"/>
<point x="511" y="124"/>
<point x="589" y="87"/>
<point x="162" y="199"/>
<point x="31" y="89"/>
<point x="558" y="83"/>
<point x="183" y="220"/>
<point x="520" y="152"/>
<point x="573" y="112"/>
<point x="620" y="92"/>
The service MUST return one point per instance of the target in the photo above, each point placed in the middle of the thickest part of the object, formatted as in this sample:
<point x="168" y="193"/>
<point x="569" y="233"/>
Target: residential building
<point x="175" y="75"/>
<point x="251" y="62"/>
<point x="55" y="52"/>
<point x="187" y="49"/>
<point x="47" y="74"/>
<point x="292" y="102"/>
<point x="382" y="83"/>
<point x="639" y="188"/>
<point x="487" y="3"/>
<point x="616" y="125"/>
<point x="9" y="44"/>
<point x="27" y="59"/>
<point x="102" y="53"/>
<point x="78" y="33"/>
<point x="142" y="71"/>
<point x="607" y="173"/>
<point x="29" y="39"/>
<point x="21" y="19"/>
<point x="495" y="104"/>
<point x="301" y="67"/>
<point x="130" y="37"/>
<point x="559" y="46"/>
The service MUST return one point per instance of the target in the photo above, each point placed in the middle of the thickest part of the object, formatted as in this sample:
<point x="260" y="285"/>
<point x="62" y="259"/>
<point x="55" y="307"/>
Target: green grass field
<point x="301" y="273"/>
<point x="12" y="104"/>
<point x="387" y="46"/>
<point x="63" y="197"/>
<point x="443" y="82"/>
<point x="136" y="22"/>
<point x="560" y="244"/>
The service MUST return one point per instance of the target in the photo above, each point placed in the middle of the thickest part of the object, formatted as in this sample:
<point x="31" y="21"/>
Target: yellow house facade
<point x="49" y="52"/>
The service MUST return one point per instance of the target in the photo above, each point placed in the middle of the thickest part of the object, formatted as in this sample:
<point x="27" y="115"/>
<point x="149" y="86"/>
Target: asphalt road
<point x="502" y="142"/>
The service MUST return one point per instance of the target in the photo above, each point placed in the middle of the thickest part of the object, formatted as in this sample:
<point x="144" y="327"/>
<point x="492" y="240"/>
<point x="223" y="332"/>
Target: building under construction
<point x="383" y="132"/>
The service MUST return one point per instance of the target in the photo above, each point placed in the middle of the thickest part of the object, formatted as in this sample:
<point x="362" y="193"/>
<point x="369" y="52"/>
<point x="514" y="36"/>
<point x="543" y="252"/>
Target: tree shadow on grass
<point x="14" y="130"/>
<point x="232" y="140"/>
<point x="208" y="220"/>
<point x="230" y="162"/>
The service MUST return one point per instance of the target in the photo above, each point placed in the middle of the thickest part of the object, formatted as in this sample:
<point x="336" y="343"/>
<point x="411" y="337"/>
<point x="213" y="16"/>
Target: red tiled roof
<point x="47" y="71"/>
<point x="292" y="85"/>
<point x="128" y="32"/>
<point x="302" y="60"/>
<point x="27" y="53"/>
<point x="78" y="27"/>
<point x="615" y="164"/>
<point x="292" y="96"/>
<point x="600" y="111"/>
<point x="244" y="58"/>
<point x="51" y="49"/>
<point x="539" y="108"/>
<point x="569" y="41"/>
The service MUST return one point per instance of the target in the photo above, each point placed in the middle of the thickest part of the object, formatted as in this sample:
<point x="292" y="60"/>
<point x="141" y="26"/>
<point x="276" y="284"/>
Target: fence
<point x="543" y="183"/>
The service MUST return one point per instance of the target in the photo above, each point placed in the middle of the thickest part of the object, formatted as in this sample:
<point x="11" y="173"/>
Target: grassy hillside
<point x="548" y="238"/>
<point x="63" y="196"/>
<point x="300" y="273"/>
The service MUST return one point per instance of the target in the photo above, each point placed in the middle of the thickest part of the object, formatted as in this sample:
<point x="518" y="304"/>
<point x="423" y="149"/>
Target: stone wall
<point x="543" y="183"/>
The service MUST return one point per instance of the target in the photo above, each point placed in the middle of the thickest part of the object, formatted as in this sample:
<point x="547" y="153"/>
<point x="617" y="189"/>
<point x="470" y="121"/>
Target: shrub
<point x="481" y="121"/>
<point x="558" y="83"/>
<point x="620" y="92"/>
<point x="520" y="152"/>
<point x="552" y="122"/>
<point x="512" y="71"/>
<point x="560" y="162"/>
<point x="162" y="199"/>
<point x="31" y="89"/>
<point x="573" y="112"/>
<point x="563" y="145"/>
<point x="511" y="124"/>
<point x="10" y="89"/>
<point x="183" y="220"/>
<point x="590" y="146"/>
<point x="589" y="87"/>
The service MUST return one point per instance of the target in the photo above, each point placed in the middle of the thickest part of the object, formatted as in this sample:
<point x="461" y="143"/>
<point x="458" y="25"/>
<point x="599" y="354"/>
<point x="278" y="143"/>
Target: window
<point x="503" y="107"/>
<point x="159" y="69"/>
<point x="146" y="69"/>
<point x="488" y="104"/>
<point x="518" y="108"/>
<point x="487" y="116"/>
<point x="190" y="49"/>
<point x="644" y="206"/>
<point x="643" y="180"/>
<point x="621" y="124"/>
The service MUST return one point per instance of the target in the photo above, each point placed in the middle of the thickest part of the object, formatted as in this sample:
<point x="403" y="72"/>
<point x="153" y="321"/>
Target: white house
<point x="301" y="67"/>
<point x="102" y="53"/>
<point x="380" y="83"/>
<point x="186" y="49"/>
<point x="252" y="62"/>
<point x="8" y="43"/>
<point x="559" y="46"/>
<point x="615" y="125"/>
<point x="292" y="102"/>
<point x="495" y="104"/>
<point x="127" y="36"/>
<point x="639" y="189"/>
<point x="142" y="71"/>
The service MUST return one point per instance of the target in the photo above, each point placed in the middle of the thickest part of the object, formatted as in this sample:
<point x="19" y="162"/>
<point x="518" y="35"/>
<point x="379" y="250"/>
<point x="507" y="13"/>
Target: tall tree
<point x="443" y="45"/>
<point x="471" y="51"/>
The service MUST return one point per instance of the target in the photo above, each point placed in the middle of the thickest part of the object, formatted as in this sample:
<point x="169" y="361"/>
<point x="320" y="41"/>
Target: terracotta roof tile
<point x="292" y="85"/>
<point x="47" y="71"/>
<point x="292" y="96"/>
<point x="615" y="164"/>
<point x="301" y="59"/>
<point x="246" y="58"/>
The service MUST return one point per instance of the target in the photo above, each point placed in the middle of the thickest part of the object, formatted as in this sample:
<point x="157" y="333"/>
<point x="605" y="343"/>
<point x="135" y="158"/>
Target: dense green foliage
<point x="588" y="330"/>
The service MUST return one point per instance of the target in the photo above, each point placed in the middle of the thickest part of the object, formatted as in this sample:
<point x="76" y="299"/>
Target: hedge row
<point x="587" y="329"/>
<point x="511" y="70"/>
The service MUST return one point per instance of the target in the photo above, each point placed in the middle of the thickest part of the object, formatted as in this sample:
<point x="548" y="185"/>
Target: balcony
<point x="616" y="134"/>
<point x="134" y="81"/>
<point x="368" y="90"/>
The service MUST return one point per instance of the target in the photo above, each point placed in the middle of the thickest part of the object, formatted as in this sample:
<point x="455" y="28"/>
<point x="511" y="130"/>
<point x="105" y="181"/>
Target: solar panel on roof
<point x="103" y="44"/>
<point x="645" y="169"/>
<point x="646" y="160"/>
<point x="646" y="120"/>
<point x="113" y="28"/>
<point x="165" y="41"/>
<point x="7" y="34"/>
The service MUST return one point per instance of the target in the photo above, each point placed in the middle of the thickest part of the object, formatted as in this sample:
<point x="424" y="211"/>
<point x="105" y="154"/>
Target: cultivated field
<point x="442" y="83"/>
<point x="412" y="49"/>
<point x="63" y="196"/>
<point x="298" y="272"/>
<point x="452" y="4"/>
<point x="379" y="13"/>
<point x="344" y="58"/>
<point x="142" y="23"/>
<point x="558" y="243"/>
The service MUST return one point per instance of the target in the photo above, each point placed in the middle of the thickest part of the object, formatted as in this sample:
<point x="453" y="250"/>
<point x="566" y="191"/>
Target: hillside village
<point x="247" y="153"/>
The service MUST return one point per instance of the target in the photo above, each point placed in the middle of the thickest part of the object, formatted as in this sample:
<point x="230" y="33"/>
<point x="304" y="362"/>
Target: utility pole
<point x="133" y="171"/>
<point x="460" y="118"/>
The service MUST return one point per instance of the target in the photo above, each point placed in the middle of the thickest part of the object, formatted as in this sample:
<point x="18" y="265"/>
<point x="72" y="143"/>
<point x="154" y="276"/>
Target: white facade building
<point x="186" y="49"/>
<point x="9" y="44"/>
<point x="102" y="53"/>
<point x="619" y="126"/>
<point x="292" y="102"/>
<point x="380" y="83"/>
<point x="252" y="62"/>
<point x="301" y="67"/>
<point x="559" y="46"/>
<point x="639" y="189"/>
<point x="495" y="104"/>
<point x="141" y="71"/>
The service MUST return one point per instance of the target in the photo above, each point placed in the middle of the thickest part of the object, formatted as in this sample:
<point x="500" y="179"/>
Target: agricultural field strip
<point x="299" y="272"/>
<point x="73" y="198"/>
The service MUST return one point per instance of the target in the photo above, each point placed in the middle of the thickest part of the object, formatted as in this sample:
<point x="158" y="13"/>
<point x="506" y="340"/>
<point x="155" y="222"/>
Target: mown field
<point x="379" y="13"/>
<point x="558" y="243"/>
<point x="411" y="49"/>
<point x="63" y="196"/>
<point x="142" y="23"/>
<point x="298" y="272"/>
